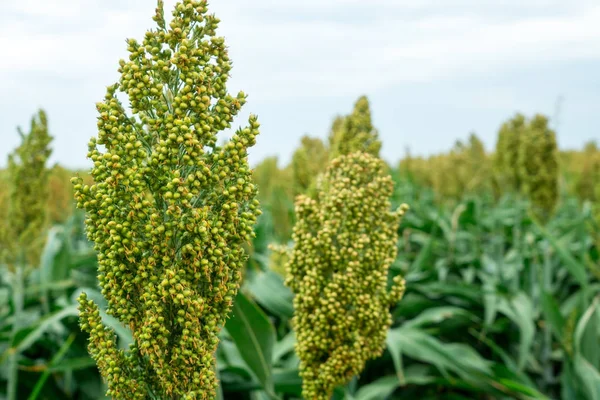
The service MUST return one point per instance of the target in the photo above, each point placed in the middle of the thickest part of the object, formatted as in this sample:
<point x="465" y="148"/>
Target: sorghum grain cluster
<point x="23" y="229"/>
<point x="169" y="211"/>
<point x="355" y="132"/>
<point x="344" y="242"/>
<point x="538" y="166"/>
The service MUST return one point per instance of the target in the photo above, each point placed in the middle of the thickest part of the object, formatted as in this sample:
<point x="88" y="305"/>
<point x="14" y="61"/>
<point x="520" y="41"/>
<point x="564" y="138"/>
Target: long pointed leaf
<point x="254" y="337"/>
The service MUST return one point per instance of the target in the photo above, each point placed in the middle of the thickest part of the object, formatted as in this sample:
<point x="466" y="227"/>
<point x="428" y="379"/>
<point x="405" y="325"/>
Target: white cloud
<point x="56" y="8"/>
<point x="305" y="57"/>
<point x="61" y="54"/>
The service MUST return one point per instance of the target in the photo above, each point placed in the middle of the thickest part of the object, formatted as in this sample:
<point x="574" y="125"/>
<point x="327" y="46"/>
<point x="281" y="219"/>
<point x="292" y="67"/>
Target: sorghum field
<point x="175" y="270"/>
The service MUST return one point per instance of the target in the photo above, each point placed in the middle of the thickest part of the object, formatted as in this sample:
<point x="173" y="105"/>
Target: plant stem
<point x="547" y="349"/>
<point x="13" y="361"/>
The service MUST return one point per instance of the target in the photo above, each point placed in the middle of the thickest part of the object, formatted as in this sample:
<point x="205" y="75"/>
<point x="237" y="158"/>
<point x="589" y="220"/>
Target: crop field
<point x="174" y="269"/>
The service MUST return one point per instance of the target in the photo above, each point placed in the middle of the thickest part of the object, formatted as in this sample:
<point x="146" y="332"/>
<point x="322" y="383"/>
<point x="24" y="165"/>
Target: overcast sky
<point x="433" y="70"/>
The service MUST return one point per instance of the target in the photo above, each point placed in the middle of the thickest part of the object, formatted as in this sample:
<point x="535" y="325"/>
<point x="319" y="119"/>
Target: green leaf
<point x="268" y="290"/>
<point x="575" y="268"/>
<point x="52" y="263"/>
<point x="73" y="364"/>
<point x="552" y="315"/>
<point x="55" y="360"/>
<point x="48" y="286"/>
<point x="394" y="346"/>
<point x="589" y="376"/>
<point x="254" y="337"/>
<point x="284" y="346"/>
<point x="520" y="311"/>
<point x="459" y="358"/>
<point x="490" y="301"/>
<point x="378" y="390"/>
<point x="436" y="315"/>
<point x="28" y="336"/>
<point x="228" y="355"/>
<point x="435" y="290"/>
<point x="583" y="322"/>
<point x="586" y="337"/>
<point x="85" y="277"/>
<point x="288" y="382"/>
<point x="423" y="256"/>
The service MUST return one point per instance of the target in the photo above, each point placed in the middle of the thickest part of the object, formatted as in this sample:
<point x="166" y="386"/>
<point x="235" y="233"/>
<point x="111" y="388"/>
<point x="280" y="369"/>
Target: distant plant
<point x="170" y="210"/>
<point x="24" y="222"/>
<point x="344" y="243"/>
<point x="465" y="169"/>
<point x="477" y="154"/>
<point x="60" y="195"/>
<point x="276" y="193"/>
<point x="538" y="166"/>
<point x="417" y="169"/>
<point x="507" y="152"/>
<point x="587" y="177"/>
<point x="267" y="175"/>
<point x="23" y="230"/>
<point x="308" y="161"/>
<point x="354" y="132"/>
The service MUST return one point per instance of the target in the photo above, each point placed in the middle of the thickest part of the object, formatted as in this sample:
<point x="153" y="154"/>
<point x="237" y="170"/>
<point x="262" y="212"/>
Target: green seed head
<point x="538" y="167"/>
<point x="23" y="229"/>
<point x="344" y="242"/>
<point x="355" y="132"/>
<point x="170" y="209"/>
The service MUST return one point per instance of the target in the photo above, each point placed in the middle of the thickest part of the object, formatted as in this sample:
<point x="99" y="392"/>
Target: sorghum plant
<point x="60" y="194"/>
<point x="355" y="132"/>
<point x="587" y="164"/>
<point x="267" y="175"/>
<point x="169" y="211"/>
<point x="538" y="166"/>
<point x="416" y="168"/>
<point x="23" y="225"/>
<point x="507" y="152"/>
<point x="308" y="161"/>
<point x="345" y="240"/>
<point x="23" y="229"/>
<point x="276" y="196"/>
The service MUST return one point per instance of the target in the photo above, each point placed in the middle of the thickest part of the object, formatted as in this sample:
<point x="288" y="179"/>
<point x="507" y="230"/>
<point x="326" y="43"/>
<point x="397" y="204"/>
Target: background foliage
<point x="499" y="304"/>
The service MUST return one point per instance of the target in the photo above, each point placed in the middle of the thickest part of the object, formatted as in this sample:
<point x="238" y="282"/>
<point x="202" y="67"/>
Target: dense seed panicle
<point x="586" y="168"/>
<point x="308" y="161"/>
<point x="23" y="229"/>
<point x="507" y="152"/>
<point x="170" y="209"/>
<point x="355" y="132"/>
<point x="538" y="166"/>
<point x="344" y="242"/>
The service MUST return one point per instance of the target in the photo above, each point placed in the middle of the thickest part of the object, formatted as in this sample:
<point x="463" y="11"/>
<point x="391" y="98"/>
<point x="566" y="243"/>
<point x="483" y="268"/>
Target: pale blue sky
<point x="433" y="70"/>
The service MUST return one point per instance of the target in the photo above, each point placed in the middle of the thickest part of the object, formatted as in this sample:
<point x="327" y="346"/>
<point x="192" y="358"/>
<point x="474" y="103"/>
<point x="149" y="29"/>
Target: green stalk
<point x="547" y="373"/>
<point x="13" y="361"/>
<point x="55" y="360"/>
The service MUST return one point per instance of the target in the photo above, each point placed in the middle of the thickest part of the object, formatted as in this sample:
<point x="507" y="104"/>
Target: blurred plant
<point x="587" y="172"/>
<point x="52" y="359"/>
<point x="25" y="221"/>
<point x="465" y="169"/>
<point x="507" y="152"/>
<point x="169" y="211"/>
<point x="22" y="234"/>
<point x="276" y="193"/>
<point x="4" y="201"/>
<point x="354" y="132"/>
<point x="60" y="196"/>
<point x="308" y="161"/>
<point x="267" y="174"/>
<point x="344" y="242"/>
<point x="538" y="166"/>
